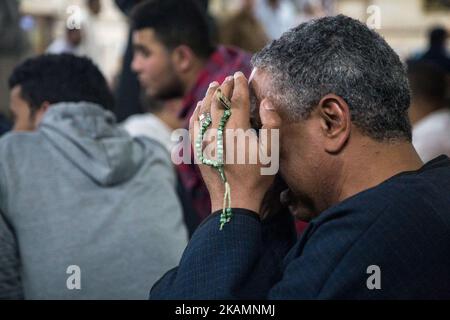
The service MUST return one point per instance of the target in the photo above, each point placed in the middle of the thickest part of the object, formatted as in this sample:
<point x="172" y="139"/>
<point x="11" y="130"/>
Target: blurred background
<point x="30" y="27"/>
<point x="416" y="29"/>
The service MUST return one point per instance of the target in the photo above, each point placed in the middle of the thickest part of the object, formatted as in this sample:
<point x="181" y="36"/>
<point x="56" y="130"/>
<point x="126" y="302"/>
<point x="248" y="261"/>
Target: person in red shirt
<point x="175" y="56"/>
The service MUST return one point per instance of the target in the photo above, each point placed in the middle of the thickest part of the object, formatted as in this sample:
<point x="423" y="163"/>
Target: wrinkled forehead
<point x="254" y="81"/>
<point x="252" y="75"/>
<point x="260" y="83"/>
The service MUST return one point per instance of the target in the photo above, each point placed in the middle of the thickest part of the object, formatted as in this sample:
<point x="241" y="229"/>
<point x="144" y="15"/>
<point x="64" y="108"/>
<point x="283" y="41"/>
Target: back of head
<point x="175" y="22"/>
<point x="437" y="37"/>
<point x="94" y="6"/>
<point x="61" y="78"/>
<point x="427" y="82"/>
<point x="342" y="56"/>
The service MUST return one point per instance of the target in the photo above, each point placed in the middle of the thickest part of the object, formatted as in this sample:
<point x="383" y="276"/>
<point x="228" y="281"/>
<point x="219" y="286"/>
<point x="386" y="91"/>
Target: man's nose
<point x="136" y="64"/>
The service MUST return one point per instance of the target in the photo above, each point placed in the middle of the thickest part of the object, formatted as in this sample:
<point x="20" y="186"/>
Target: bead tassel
<point x="226" y="214"/>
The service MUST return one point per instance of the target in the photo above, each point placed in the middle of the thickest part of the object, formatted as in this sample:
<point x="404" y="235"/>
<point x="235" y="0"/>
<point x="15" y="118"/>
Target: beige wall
<point x="112" y="27"/>
<point x="404" y="23"/>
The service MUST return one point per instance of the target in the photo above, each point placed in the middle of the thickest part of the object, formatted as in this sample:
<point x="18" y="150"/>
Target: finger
<point x="194" y="128"/>
<point x="206" y="108"/>
<point x="194" y="116"/>
<point x="217" y="112"/>
<point x="206" y="103"/>
<point x="270" y="120"/>
<point x="217" y="108"/>
<point x="227" y="90"/>
<point x="240" y="101"/>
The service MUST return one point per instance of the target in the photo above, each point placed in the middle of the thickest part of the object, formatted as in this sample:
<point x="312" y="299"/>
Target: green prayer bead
<point x="218" y="164"/>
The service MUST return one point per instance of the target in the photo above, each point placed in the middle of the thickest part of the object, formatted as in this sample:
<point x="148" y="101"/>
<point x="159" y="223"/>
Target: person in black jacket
<point x="437" y="51"/>
<point x="379" y="228"/>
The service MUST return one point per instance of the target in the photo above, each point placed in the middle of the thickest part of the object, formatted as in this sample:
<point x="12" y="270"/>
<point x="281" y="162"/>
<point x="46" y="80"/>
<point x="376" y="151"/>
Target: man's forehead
<point x="252" y="75"/>
<point x="16" y="91"/>
<point x="258" y="82"/>
<point x="145" y="35"/>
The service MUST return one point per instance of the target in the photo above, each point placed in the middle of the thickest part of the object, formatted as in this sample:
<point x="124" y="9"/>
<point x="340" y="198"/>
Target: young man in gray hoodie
<point x="86" y="211"/>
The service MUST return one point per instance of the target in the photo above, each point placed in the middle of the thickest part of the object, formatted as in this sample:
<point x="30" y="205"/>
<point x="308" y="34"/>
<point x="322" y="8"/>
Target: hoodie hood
<point x="87" y="135"/>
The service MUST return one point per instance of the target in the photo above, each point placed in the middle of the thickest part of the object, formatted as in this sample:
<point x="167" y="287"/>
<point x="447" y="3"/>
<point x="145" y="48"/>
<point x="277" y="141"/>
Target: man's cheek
<point x="284" y="171"/>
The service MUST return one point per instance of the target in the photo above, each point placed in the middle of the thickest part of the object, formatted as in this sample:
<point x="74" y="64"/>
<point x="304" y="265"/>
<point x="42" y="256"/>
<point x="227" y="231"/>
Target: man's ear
<point x="39" y="113"/>
<point x="335" y="122"/>
<point x="182" y="58"/>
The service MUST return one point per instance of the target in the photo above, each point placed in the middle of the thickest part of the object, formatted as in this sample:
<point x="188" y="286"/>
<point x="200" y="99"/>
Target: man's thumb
<point x="270" y="118"/>
<point x="269" y="138"/>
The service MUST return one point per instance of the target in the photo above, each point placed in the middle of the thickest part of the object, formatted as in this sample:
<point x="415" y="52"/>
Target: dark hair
<point x="343" y="56"/>
<point x="437" y="37"/>
<point x="61" y="78"/>
<point x="176" y="22"/>
<point x="427" y="81"/>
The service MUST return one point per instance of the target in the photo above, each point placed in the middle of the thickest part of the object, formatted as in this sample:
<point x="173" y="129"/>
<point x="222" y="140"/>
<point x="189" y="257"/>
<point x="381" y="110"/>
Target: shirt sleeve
<point x="241" y="261"/>
<point x="10" y="284"/>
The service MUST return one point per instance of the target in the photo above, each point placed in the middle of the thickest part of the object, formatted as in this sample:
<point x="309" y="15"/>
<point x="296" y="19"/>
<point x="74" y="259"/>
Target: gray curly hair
<point x="343" y="56"/>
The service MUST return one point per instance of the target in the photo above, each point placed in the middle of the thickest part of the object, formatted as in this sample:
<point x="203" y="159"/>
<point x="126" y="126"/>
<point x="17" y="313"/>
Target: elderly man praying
<point x="379" y="218"/>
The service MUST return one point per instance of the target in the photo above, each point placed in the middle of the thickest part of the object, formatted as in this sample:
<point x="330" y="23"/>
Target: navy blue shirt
<point x="388" y="242"/>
